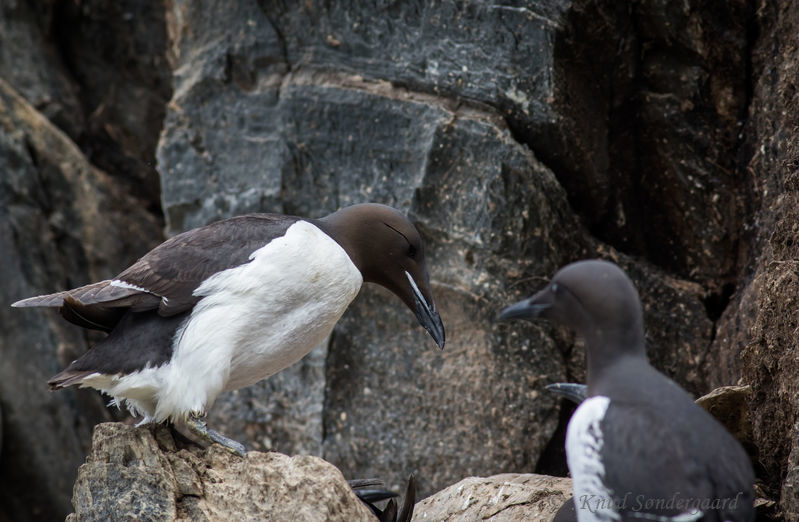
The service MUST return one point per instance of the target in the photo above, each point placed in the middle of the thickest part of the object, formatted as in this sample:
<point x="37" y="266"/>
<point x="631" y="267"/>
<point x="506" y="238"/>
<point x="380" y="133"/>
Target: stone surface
<point x="730" y="406"/>
<point x="760" y="326"/>
<point x="144" y="474"/>
<point x="30" y="62"/>
<point x="508" y="497"/>
<point x="116" y="53"/>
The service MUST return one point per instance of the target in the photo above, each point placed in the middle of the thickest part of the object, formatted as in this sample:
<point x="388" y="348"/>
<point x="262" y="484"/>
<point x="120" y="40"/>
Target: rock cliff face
<point x="517" y="136"/>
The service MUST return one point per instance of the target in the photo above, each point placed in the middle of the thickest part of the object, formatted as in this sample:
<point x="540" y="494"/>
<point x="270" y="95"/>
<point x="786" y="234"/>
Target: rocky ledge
<point x="147" y="473"/>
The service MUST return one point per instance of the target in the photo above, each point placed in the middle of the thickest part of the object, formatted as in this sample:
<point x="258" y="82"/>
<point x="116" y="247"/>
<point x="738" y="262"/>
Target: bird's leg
<point x="198" y="426"/>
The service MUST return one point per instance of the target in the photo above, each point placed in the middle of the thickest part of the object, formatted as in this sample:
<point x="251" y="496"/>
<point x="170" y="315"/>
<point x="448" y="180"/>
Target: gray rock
<point x="758" y="332"/>
<point x="509" y="497"/>
<point x="29" y="61"/>
<point x="118" y="59"/>
<point x="571" y="81"/>
<point x="730" y="406"/>
<point x="144" y="474"/>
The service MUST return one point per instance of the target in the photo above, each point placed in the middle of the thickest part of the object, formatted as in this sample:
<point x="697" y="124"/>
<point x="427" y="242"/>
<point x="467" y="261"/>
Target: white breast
<point x="256" y="319"/>
<point x="592" y="498"/>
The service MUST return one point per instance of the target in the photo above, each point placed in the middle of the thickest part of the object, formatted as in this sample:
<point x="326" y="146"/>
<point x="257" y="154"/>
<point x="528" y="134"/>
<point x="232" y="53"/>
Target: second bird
<point x="638" y="447"/>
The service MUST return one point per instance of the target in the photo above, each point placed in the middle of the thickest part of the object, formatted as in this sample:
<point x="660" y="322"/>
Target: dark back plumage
<point x="166" y="277"/>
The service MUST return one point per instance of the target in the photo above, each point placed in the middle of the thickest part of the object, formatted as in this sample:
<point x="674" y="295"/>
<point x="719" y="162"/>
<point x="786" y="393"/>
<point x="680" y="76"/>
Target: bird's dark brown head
<point x="594" y="298"/>
<point x="388" y="250"/>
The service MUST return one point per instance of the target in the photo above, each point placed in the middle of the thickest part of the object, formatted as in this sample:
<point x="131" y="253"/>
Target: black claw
<point x="406" y="513"/>
<point x="370" y="491"/>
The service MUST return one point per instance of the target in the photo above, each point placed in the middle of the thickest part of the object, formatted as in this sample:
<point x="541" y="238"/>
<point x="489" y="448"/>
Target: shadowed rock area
<point x="518" y="136"/>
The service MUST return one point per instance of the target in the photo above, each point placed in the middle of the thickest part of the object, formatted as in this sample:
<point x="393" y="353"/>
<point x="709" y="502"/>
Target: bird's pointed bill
<point x="525" y="309"/>
<point x="427" y="315"/>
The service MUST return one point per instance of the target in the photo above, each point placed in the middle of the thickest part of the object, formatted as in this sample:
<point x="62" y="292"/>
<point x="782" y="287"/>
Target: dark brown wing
<point x="174" y="269"/>
<point x="166" y="277"/>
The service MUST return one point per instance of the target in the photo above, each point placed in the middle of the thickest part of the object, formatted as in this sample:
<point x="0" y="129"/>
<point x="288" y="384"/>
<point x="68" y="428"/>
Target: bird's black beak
<point x="571" y="390"/>
<point x="526" y="309"/>
<point x="427" y="315"/>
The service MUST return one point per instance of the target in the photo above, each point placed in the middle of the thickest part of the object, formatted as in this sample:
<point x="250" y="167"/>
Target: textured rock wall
<point x="761" y="322"/>
<point x="77" y="203"/>
<point x="518" y="136"/>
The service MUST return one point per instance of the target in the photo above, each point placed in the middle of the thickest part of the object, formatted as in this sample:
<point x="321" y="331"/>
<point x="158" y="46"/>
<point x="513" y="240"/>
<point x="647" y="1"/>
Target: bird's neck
<point x="341" y="230"/>
<point x="605" y="349"/>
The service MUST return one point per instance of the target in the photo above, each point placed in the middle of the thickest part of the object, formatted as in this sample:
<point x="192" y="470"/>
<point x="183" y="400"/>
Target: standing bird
<point x="226" y="305"/>
<point x="638" y="448"/>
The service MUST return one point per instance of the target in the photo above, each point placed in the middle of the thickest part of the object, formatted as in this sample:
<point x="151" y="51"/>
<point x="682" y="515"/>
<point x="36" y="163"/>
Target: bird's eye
<point x="554" y="287"/>
<point x="412" y="252"/>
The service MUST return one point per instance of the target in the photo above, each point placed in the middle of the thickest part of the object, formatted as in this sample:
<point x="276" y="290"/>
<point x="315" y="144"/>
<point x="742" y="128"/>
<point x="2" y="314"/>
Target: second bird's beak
<point x="525" y="309"/>
<point x="426" y="314"/>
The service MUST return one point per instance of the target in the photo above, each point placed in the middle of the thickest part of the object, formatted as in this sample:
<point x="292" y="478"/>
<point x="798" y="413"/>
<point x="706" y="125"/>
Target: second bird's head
<point x="594" y="298"/>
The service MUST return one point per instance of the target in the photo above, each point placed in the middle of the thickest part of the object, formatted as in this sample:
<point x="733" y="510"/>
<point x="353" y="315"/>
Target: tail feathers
<point x="98" y="306"/>
<point x="68" y="378"/>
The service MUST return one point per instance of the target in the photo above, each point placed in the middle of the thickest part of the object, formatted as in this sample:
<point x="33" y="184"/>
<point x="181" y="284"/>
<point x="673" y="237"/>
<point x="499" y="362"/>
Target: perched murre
<point x="226" y="305"/>
<point x="638" y="448"/>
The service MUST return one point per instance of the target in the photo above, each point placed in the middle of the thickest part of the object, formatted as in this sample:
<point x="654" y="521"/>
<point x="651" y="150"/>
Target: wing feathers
<point x="97" y="306"/>
<point x="103" y="292"/>
<point x="166" y="277"/>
